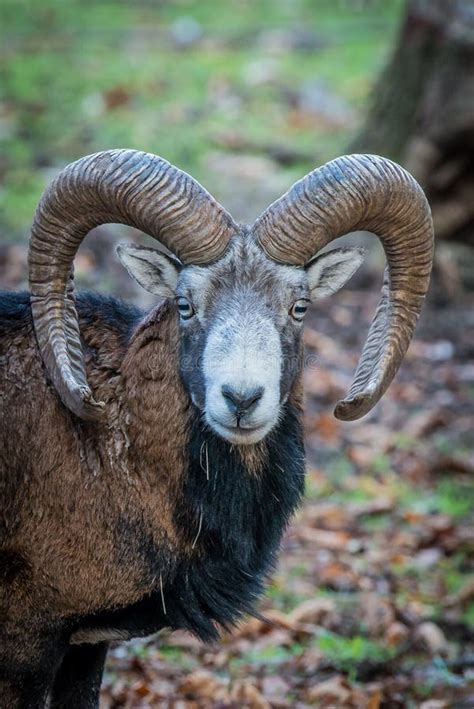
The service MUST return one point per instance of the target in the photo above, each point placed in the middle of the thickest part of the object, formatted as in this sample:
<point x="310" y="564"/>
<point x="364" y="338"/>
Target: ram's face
<point x="241" y="323"/>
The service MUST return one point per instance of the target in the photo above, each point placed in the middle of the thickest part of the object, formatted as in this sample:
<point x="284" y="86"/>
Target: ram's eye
<point x="185" y="308"/>
<point x="298" y="311"/>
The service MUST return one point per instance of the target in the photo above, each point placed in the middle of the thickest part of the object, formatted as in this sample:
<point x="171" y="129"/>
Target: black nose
<point x="241" y="402"/>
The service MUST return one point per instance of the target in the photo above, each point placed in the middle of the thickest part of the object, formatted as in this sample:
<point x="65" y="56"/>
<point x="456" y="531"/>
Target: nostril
<point x="253" y="398"/>
<point x="240" y="402"/>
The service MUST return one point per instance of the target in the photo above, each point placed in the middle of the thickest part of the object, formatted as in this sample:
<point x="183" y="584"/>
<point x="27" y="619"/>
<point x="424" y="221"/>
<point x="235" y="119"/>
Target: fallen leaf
<point x="141" y="689"/>
<point x="255" y="627"/>
<point x="325" y="539"/>
<point x="274" y="687"/>
<point x="317" y="610"/>
<point x="426" y="558"/>
<point x="333" y="690"/>
<point x="451" y="463"/>
<point x="277" y="638"/>
<point x="372" y="507"/>
<point x="431" y="637"/>
<point x="378" y="613"/>
<point x="116" y="97"/>
<point x="396" y="634"/>
<point x="339" y="576"/>
<point x="325" y="425"/>
<point x="426" y="421"/>
<point x="202" y="684"/>
<point x="246" y="694"/>
<point x="326" y="514"/>
<point x="374" y="700"/>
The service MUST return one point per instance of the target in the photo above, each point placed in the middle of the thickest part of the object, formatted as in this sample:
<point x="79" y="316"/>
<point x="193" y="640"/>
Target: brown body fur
<point x="61" y="543"/>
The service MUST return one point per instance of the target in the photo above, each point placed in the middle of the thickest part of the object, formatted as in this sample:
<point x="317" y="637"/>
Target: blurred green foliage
<point x="170" y="77"/>
<point x="347" y="652"/>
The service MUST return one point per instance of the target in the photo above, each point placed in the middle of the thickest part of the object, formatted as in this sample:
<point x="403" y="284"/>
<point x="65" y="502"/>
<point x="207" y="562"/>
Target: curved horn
<point x="361" y="192"/>
<point x="122" y="186"/>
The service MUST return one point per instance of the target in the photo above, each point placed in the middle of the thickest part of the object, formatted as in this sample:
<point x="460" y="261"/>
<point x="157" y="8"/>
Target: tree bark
<point x="422" y="111"/>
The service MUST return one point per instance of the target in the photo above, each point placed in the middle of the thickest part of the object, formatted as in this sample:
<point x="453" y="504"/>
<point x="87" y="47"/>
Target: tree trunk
<point x="422" y="112"/>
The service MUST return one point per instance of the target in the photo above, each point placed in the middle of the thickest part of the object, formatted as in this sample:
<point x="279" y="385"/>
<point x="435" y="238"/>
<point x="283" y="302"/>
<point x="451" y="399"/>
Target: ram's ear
<point x="153" y="270"/>
<point x="328" y="272"/>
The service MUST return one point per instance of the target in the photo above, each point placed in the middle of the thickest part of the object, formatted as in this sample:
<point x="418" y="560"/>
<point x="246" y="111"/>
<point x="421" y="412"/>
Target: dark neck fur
<point x="235" y="519"/>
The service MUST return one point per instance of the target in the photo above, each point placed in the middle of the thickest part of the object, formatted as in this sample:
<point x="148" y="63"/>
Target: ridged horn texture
<point x="121" y="186"/>
<point x="361" y="192"/>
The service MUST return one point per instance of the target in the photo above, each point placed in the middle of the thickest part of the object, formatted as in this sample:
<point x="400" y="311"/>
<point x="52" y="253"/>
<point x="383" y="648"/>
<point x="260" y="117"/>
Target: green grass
<point x="468" y="615"/>
<point x="347" y="653"/>
<point x="449" y="497"/>
<point x="79" y="76"/>
<point x="269" y="655"/>
<point x="176" y="656"/>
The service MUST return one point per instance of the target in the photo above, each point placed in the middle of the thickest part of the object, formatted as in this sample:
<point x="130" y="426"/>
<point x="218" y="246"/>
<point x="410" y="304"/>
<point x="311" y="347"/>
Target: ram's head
<point x="241" y="292"/>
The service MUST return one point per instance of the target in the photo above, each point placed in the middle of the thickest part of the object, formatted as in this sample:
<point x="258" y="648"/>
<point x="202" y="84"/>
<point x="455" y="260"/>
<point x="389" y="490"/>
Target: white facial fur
<point x="242" y="351"/>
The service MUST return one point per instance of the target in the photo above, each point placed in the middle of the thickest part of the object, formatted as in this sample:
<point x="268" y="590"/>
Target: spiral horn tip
<point x="354" y="408"/>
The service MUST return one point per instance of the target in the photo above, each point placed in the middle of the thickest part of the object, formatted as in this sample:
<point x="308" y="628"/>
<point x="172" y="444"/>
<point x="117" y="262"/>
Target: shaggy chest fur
<point x="232" y="521"/>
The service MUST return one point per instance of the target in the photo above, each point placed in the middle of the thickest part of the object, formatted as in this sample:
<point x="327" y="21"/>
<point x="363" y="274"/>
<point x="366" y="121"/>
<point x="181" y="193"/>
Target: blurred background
<point x="372" y="604"/>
